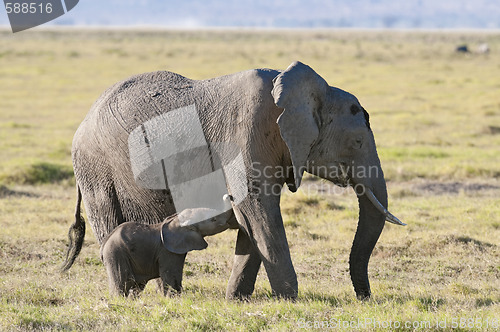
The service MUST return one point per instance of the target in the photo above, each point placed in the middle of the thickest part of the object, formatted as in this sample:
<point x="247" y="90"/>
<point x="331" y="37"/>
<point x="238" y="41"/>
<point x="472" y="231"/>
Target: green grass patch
<point x="412" y="153"/>
<point x="40" y="173"/>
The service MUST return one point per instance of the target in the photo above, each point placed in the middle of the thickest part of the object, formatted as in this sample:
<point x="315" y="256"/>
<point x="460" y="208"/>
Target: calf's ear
<point x="180" y="240"/>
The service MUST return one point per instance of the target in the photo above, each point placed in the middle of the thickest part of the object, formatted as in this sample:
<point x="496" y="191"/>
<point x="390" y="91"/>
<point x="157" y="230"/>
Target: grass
<point x="39" y="173"/>
<point x="434" y="114"/>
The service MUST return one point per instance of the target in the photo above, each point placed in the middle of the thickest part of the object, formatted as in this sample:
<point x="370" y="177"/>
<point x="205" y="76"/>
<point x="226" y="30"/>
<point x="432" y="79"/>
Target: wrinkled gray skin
<point x="277" y="119"/>
<point x="135" y="253"/>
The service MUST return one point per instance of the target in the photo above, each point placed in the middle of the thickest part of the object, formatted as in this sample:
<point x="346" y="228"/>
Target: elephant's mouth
<point x="340" y="181"/>
<point x="341" y="176"/>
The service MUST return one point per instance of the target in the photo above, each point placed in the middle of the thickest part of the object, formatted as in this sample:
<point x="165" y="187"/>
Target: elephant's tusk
<point x="393" y="219"/>
<point x="388" y="216"/>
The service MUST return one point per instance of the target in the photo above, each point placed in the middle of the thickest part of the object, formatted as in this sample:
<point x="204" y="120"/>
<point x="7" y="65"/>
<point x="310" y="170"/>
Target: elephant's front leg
<point x="171" y="267"/>
<point x="266" y="237"/>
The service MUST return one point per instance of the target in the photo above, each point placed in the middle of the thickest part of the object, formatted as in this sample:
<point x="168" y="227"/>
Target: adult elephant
<point x="281" y="123"/>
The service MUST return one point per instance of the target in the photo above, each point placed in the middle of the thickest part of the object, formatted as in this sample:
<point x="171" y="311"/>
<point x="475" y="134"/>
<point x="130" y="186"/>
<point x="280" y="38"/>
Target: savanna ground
<point x="436" y="119"/>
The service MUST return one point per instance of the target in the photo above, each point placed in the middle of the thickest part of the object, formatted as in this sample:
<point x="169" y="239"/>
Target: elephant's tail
<point x="76" y="235"/>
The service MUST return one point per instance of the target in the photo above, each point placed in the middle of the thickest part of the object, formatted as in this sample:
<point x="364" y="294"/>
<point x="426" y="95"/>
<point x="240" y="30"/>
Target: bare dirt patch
<point x="7" y="192"/>
<point x="492" y="130"/>
<point x="411" y="188"/>
<point x="447" y="188"/>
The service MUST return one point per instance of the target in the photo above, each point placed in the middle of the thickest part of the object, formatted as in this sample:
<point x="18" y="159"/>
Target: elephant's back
<point x="129" y="103"/>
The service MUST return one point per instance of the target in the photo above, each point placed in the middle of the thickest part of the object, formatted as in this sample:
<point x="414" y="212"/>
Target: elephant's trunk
<point x="370" y="225"/>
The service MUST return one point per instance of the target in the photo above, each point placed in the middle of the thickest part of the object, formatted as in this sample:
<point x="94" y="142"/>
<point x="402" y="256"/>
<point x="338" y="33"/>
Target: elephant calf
<point x="135" y="253"/>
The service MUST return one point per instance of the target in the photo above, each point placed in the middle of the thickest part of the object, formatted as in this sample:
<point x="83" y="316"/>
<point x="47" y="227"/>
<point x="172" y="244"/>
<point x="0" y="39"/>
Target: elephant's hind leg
<point x="120" y="273"/>
<point x="103" y="209"/>
<point x="246" y="265"/>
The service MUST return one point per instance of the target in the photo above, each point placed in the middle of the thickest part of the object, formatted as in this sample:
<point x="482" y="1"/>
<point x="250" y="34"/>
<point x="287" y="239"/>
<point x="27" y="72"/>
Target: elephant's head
<point x="180" y="240"/>
<point x="205" y="221"/>
<point x="328" y="134"/>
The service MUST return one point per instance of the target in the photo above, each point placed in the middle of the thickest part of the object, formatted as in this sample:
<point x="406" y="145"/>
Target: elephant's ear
<point x="180" y="240"/>
<point x="300" y="92"/>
